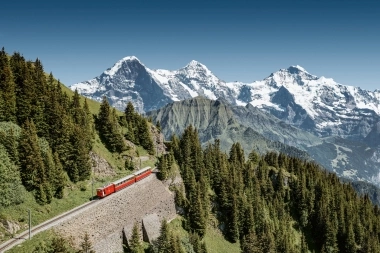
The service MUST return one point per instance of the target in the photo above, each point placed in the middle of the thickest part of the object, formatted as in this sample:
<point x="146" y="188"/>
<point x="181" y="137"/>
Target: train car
<point x="105" y="190"/>
<point x="124" y="182"/>
<point x="144" y="172"/>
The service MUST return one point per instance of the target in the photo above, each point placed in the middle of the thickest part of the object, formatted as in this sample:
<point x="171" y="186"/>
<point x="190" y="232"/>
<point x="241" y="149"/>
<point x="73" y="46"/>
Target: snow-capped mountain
<point x="317" y="104"/>
<point x="131" y="80"/>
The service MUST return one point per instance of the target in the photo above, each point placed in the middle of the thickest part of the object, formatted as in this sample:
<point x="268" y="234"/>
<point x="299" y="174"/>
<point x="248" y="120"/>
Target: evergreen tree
<point x="9" y="140"/>
<point x="24" y="87"/>
<point x="87" y="123"/>
<point x="162" y="167"/>
<point x="196" y="214"/>
<point x="7" y="90"/>
<point x="145" y="137"/>
<point x="250" y="244"/>
<point x="79" y="156"/>
<point x="31" y="163"/>
<point x="58" y="245"/>
<point x="109" y="129"/>
<point x="130" y="114"/>
<point x="135" y="245"/>
<point x="86" y="245"/>
<point x="59" y="178"/>
<point x="11" y="190"/>
<point x="163" y="240"/>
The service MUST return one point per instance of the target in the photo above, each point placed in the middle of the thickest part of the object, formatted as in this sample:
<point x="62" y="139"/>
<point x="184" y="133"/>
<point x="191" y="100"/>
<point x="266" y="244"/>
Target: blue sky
<point x="236" y="40"/>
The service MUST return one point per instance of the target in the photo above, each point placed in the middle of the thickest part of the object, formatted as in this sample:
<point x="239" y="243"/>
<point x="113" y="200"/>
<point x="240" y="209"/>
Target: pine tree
<point x="117" y="140"/>
<point x="109" y="129"/>
<point x="135" y="245"/>
<point x="7" y="90"/>
<point x="58" y="245"/>
<point x="130" y="113"/>
<point x="350" y="245"/>
<point x="232" y="224"/>
<point x="86" y="245"/>
<point x="79" y="156"/>
<point x="162" y="167"/>
<point x="304" y="246"/>
<point x="59" y="178"/>
<point x="39" y="100"/>
<point x="196" y="242"/>
<point x="25" y="88"/>
<point x="196" y="213"/>
<point x="87" y="123"/>
<point x="9" y="140"/>
<point x="163" y="240"/>
<point x="250" y="244"/>
<point x="11" y="190"/>
<point x="40" y="194"/>
<point x="145" y="137"/>
<point x="76" y="109"/>
<point x="32" y="167"/>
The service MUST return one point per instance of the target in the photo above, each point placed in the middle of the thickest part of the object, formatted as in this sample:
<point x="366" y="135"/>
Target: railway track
<point x="43" y="226"/>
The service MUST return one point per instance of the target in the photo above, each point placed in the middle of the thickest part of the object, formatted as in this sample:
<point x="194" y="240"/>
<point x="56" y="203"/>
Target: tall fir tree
<point x="135" y="245"/>
<point x="32" y="167"/>
<point x="86" y="245"/>
<point x="109" y="129"/>
<point x="7" y="90"/>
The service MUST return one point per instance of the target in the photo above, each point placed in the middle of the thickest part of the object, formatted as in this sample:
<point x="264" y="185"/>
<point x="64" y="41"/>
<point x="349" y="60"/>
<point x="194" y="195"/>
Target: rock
<point x="100" y="166"/>
<point x="151" y="227"/>
<point x="10" y="227"/>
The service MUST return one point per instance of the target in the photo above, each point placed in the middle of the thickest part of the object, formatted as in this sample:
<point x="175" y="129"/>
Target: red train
<point x="123" y="182"/>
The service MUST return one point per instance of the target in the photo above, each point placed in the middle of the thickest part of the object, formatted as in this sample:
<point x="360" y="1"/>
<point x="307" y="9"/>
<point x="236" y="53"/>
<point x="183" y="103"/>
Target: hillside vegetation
<point x="270" y="203"/>
<point x="46" y="135"/>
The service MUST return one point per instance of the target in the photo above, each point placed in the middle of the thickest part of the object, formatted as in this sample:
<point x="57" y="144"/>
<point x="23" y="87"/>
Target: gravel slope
<point x="105" y="221"/>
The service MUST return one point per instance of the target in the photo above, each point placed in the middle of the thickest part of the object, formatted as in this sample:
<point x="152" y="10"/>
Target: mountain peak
<point x="196" y="64"/>
<point x="296" y="69"/>
<point x="117" y="65"/>
<point x="130" y="58"/>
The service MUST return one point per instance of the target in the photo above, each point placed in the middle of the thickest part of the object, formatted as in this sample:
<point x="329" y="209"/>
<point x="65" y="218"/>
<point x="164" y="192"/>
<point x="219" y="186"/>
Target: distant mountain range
<point x="317" y="104"/>
<point x="339" y="126"/>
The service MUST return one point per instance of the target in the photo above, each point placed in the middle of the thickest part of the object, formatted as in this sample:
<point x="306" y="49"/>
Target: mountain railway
<point x="101" y="193"/>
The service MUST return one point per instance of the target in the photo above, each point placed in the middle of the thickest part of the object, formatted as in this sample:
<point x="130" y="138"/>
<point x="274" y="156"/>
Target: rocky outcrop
<point x="151" y="227"/>
<point x="10" y="227"/>
<point x="100" y="166"/>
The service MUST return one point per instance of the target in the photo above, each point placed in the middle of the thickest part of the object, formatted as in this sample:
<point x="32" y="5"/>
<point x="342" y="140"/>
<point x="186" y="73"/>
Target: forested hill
<point x="270" y="203"/>
<point x="56" y="130"/>
<point x="46" y="133"/>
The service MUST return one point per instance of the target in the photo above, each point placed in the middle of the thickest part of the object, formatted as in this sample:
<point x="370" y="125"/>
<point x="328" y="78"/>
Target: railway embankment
<point x="105" y="221"/>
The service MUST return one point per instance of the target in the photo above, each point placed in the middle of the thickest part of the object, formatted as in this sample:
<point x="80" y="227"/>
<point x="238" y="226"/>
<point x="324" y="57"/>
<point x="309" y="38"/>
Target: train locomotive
<point x="123" y="182"/>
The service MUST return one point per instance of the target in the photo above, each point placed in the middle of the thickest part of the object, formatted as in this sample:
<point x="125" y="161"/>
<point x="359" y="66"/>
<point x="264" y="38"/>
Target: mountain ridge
<point x="315" y="104"/>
